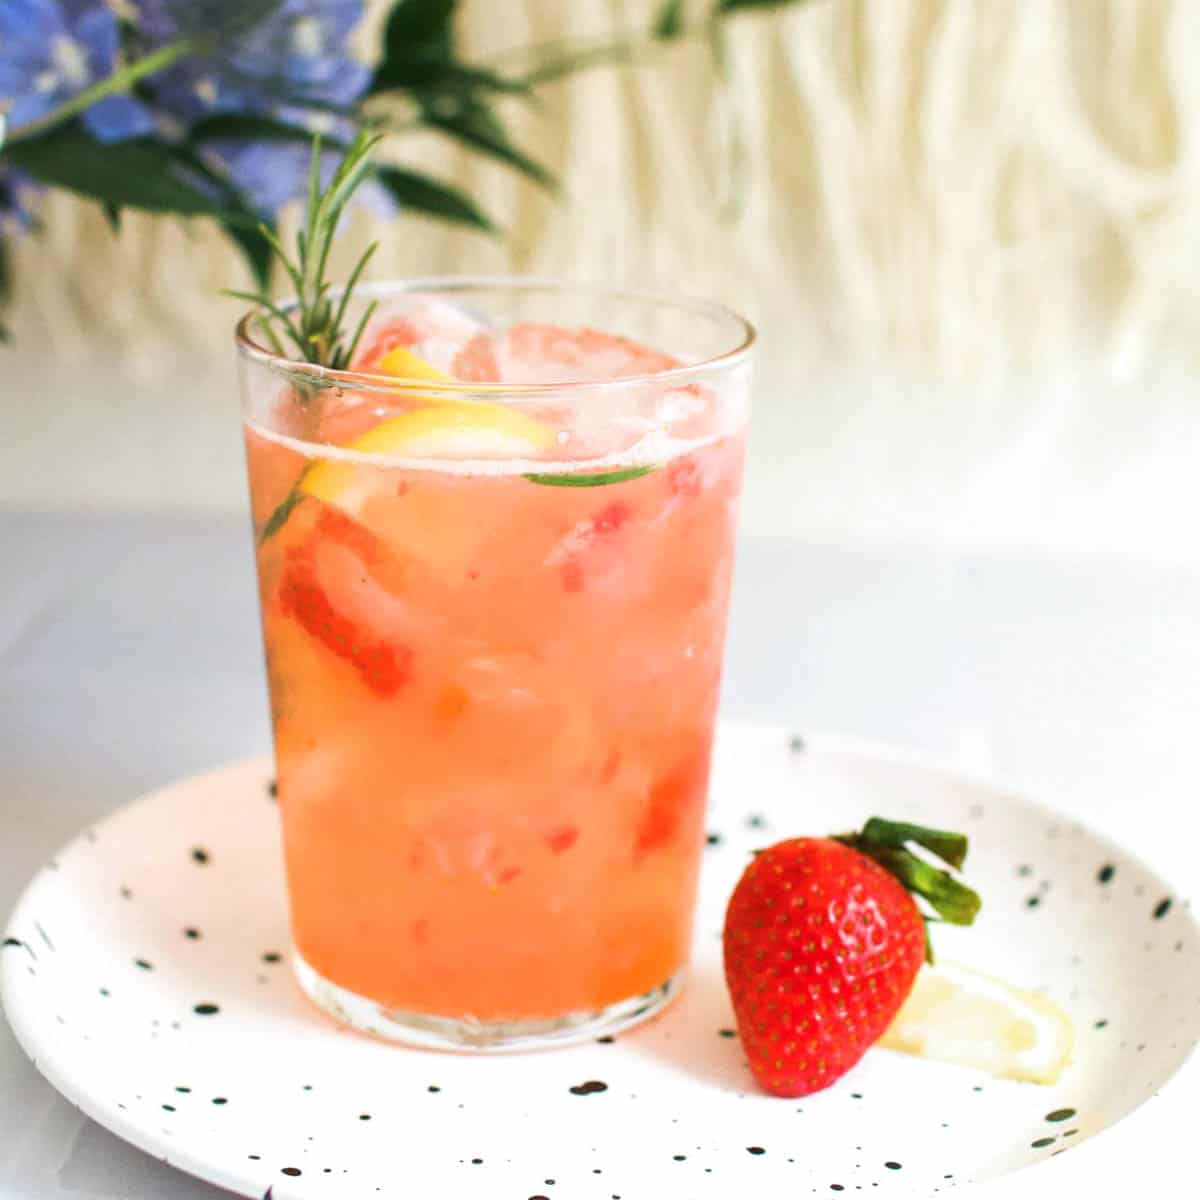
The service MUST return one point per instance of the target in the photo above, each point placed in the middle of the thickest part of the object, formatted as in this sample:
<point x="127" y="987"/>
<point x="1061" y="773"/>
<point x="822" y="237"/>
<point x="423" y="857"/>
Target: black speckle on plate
<point x="756" y="821"/>
<point x="272" y="956"/>
<point x="1033" y="901"/>
<point x="606" y="1040"/>
<point x="727" y="1033"/>
<point x="200" y="855"/>
<point x="292" y="1171"/>
<point x="219" y="1100"/>
<point x="192" y="933"/>
<point x="145" y="966"/>
<point x="1043" y="1142"/>
<point x="433" y="1087"/>
<point x="206" y="1010"/>
<point x="1160" y="910"/>
<point x="755" y="1150"/>
<point x="1060" y="1114"/>
<point x="590" y="1088"/>
<point x="893" y="1166"/>
<point x="713" y="839"/>
<point x="1106" y="873"/>
<point x="796" y="744"/>
<point x="126" y="894"/>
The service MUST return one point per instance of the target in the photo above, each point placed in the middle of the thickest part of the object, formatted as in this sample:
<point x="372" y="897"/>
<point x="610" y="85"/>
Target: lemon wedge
<point x="441" y="428"/>
<point x="959" y="1016"/>
<point x="463" y="429"/>
<point x="404" y="364"/>
<point x="448" y="428"/>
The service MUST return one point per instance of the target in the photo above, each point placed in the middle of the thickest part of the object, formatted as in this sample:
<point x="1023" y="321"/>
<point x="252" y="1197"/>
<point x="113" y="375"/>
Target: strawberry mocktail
<point x="494" y="620"/>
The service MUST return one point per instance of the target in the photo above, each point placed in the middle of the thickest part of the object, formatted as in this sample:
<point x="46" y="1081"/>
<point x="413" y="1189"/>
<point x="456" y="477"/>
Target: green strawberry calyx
<point x="889" y="844"/>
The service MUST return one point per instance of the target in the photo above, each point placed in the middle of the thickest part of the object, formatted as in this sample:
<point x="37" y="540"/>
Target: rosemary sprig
<point x="315" y="324"/>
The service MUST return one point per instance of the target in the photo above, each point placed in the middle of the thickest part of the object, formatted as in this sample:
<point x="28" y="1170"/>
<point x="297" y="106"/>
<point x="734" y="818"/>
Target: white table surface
<point x="129" y="657"/>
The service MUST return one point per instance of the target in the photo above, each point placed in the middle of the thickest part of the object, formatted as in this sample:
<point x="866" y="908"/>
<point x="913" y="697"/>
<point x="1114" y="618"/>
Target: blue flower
<point x="279" y="57"/>
<point x="270" y="174"/>
<point x="50" y="50"/>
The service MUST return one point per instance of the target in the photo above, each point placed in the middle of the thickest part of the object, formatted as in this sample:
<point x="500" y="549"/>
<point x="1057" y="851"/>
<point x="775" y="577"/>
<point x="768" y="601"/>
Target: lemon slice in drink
<point x="959" y="1016"/>
<point x="404" y="364"/>
<point x="442" y="428"/>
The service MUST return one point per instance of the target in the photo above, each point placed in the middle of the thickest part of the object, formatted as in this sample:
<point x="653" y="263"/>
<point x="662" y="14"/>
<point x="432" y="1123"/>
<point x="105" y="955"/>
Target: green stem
<point x="121" y="81"/>
<point x="590" y="478"/>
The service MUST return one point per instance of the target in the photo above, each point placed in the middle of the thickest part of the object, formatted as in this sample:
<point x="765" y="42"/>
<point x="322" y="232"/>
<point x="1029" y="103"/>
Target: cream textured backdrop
<point x="969" y="230"/>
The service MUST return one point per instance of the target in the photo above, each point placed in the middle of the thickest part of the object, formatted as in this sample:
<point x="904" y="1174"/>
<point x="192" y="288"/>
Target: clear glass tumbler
<point x="494" y="563"/>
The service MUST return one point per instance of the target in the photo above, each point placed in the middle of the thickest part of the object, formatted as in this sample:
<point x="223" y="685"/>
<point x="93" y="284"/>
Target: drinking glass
<point x="494" y="570"/>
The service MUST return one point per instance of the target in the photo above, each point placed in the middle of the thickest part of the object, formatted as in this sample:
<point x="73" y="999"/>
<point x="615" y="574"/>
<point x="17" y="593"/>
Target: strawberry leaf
<point x="951" y="848"/>
<point x="887" y="843"/>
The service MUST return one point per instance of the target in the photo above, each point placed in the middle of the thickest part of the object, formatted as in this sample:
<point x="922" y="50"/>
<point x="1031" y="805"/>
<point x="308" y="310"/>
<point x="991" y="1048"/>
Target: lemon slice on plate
<point x="959" y="1016"/>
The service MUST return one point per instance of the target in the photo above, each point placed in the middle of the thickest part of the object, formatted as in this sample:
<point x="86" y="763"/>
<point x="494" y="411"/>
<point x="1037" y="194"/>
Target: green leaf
<point x="474" y="123"/>
<point x="250" y="127"/>
<point x="732" y="6"/>
<point x="950" y="847"/>
<point x="419" y="29"/>
<point x="422" y="194"/>
<point x="256" y="249"/>
<point x="579" y="479"/>
<point x="669" y="22"/>
<point x="954" y="902"/>
<point x="435" y="76"/>
<point x="139" y="173"/>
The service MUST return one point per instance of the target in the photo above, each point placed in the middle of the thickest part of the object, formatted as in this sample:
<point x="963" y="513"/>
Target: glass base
<point x="480" y="1037"/>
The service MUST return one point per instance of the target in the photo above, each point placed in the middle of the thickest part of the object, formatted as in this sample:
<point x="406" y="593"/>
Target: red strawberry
<point x="385" y="667"/>
<point x="823" y="943"/>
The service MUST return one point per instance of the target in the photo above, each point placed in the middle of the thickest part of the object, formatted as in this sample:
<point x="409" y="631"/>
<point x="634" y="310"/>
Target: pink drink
<point x="494" y="679"/>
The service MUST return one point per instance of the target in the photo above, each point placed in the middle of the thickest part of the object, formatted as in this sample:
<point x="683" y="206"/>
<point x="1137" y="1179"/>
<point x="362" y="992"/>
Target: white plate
<point x="146" y="976"/>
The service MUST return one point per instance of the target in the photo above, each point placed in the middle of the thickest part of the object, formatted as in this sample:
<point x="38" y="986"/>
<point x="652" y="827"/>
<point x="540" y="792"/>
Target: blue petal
<point x="32" y="20"/>
<point x="116" y="118"/>
<point x="96" y="28"/>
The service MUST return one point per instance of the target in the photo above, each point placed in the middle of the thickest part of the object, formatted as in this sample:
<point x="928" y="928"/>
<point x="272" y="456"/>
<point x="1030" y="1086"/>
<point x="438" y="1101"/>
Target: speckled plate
<point x="146" y="973"/>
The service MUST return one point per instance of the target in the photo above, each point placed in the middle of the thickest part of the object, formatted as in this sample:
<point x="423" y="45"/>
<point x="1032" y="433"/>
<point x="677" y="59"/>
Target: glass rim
<point x="744" y="340"/>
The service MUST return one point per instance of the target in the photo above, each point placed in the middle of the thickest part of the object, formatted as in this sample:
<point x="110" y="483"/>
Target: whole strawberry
<point x="823" y="942"/>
